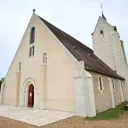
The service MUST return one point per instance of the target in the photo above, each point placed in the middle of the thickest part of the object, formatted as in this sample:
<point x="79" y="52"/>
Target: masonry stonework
<point x="109" y="48"/>
<point x="103" y="99"/>
<point x="69" y="79"/>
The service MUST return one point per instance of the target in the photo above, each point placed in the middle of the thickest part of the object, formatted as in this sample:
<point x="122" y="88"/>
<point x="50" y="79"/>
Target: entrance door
<point x="31" y="96"/>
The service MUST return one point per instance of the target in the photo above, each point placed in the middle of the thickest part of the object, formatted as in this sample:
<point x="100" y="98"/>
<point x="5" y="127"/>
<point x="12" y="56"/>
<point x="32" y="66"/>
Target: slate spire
<point x="103" y="16"/>
<point x="102" y="12"/>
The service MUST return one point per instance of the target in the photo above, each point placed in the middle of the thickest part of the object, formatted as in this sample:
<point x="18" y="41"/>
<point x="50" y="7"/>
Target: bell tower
<point x="109" y="48"/>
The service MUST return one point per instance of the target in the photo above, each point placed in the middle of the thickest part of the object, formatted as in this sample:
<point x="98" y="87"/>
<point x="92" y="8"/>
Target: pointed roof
<point x="82" y="52"/>
<point x="103" y="16"/>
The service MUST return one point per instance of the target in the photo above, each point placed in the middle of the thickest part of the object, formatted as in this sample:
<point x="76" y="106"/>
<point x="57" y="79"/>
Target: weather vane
<point x="102" y="11"/>
<point x="101" y="6"/>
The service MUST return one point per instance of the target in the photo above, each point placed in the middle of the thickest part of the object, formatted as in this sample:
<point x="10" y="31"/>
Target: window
<point x="31" y="51"/>
<point x="115" y="28"/>
<point x="101" y="32"/>
<point x="113" y="84"/>
<point x="32" y="35"/>
<point x="32" y="39"/>
<point x="44" y="58"/>
<point x="19" y="67"/>
<point x="100" y="83"/>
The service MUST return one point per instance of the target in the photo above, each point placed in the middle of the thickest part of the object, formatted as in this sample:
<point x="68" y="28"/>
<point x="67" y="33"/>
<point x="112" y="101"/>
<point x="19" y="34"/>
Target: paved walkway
<point x="33" y="116"/>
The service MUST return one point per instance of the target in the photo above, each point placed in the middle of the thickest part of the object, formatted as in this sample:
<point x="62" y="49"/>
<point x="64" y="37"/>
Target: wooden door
<point x="30" y="96"/>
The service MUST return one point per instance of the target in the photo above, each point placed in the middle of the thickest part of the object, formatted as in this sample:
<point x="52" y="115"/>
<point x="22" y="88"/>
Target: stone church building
<point x="52" y="70"/>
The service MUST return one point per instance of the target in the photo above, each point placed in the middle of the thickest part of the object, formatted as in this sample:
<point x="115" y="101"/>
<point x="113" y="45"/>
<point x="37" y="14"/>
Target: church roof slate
<point x="82" y="52"/>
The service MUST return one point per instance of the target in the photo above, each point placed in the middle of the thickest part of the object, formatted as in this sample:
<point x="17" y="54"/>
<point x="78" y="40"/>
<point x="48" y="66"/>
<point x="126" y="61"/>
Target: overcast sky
<point x="76" y="17"/>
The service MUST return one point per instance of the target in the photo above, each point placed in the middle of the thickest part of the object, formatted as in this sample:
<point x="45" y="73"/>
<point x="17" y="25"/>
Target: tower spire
<point x="102" y="12"/>
<point x="103" y="16"/>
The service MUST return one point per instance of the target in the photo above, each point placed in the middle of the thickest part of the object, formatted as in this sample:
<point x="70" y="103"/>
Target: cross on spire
<point x="102" y="12"/>
<point x="101" y="6"/>
<point x="33" y="11"/>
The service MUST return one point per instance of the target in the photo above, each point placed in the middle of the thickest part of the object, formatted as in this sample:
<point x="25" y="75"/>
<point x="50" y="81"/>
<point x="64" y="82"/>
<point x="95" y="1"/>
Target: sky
<point x="76" y="17"/>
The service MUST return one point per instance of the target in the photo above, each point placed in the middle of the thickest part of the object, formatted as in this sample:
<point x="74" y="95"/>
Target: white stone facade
<point x="62" y="83"/>
<point x="61" y="75"/>
<point x="109" y="48"/>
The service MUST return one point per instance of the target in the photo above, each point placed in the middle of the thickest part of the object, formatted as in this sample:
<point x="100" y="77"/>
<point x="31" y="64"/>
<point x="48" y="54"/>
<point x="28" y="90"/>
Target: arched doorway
<point x="25" y="93"/>
<point x="30" y="95"/>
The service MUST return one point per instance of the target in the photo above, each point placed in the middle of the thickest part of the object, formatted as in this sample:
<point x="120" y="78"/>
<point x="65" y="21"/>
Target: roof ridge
<point x="81" y="52"/>
<point x="77" y="42"/>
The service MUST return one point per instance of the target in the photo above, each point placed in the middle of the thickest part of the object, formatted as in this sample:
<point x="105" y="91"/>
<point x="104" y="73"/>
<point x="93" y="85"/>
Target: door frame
<point x="26" y="84"/>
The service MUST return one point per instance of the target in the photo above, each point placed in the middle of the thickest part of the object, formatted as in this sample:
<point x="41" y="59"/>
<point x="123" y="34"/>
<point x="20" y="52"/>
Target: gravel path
<point x="73" y="122"/>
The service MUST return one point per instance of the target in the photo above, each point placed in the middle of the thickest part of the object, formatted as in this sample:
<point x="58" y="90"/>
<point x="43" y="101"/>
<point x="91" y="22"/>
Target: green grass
<point x="111" y="113"/>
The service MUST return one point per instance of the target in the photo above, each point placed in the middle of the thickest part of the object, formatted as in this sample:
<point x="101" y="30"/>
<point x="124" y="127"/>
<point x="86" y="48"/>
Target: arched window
<point x="32" y="35"/>
<point x="113" y="84"/>
<point x="100" y="83"/>
<point x="31" y="51"/>
<point x="44" y="58"/>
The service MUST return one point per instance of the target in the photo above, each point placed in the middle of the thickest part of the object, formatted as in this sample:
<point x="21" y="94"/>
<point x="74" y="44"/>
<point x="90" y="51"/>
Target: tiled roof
<point x="82" y="52"/>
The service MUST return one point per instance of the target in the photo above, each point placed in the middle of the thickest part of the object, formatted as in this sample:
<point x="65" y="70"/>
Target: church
<point x="52" y="70"/>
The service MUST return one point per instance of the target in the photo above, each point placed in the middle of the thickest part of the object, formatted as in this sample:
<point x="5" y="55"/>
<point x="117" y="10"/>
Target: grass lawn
<point x="111" y="113"/>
